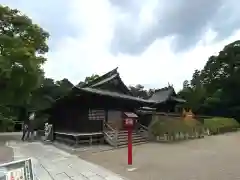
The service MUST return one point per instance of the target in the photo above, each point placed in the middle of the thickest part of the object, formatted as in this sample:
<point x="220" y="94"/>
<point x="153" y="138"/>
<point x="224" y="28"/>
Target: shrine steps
<point x="120" y="138"/>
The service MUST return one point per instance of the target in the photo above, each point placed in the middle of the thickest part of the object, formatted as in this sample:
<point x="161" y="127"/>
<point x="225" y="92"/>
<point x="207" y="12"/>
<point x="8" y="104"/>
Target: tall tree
<point x="22" y="46"/>
<point x="195" y="79"/>
<point x="48" y="92"/>
<point x="185" y="84"/>
<point x="216" y="87"/>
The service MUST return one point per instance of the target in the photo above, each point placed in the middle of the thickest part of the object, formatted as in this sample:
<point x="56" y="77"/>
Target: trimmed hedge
<point x="162" y="125"/>
<point x="220" y="125"/>
<point x="169" y="125"/>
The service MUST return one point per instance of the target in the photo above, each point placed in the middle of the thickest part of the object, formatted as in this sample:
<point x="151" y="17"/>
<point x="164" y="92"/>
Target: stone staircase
<point x="120" y="138"/>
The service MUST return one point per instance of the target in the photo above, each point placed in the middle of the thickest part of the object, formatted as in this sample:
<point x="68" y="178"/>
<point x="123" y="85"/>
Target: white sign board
<point x="129" y="121"/>
<point x="17" y="170"/>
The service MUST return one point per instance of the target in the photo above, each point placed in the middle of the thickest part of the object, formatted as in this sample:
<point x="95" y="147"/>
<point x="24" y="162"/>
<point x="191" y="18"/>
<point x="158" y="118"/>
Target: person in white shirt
<point x="30" y="126"/>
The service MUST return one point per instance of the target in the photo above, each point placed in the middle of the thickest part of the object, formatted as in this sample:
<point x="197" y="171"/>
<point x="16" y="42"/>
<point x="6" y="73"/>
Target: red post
<point x="129" y="146"/>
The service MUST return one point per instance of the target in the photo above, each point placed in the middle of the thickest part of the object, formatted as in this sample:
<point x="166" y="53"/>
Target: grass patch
<point x="219" y="124"/>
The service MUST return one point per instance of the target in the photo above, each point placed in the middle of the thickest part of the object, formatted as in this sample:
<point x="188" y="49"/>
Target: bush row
<point x="163" y="126"/>
<point x="171" y="126"/>
<point x="218" y="125"/>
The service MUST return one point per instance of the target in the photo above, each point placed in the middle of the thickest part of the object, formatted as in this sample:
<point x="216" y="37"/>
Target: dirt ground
<point x="211" y="158"/>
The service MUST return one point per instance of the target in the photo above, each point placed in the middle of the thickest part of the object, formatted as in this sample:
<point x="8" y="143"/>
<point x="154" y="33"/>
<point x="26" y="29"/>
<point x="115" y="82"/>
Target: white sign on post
<point x="17" y="170"/>
<point x="129" y="121"/>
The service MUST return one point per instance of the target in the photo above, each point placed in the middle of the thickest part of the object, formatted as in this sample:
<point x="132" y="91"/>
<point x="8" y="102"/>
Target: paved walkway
<point x="6" y="153"/>
<point x="51" y="163"/>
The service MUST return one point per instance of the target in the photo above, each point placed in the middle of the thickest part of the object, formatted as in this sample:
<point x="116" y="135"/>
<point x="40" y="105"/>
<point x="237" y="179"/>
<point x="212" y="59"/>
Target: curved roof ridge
<point x="106" y="75"/>
<point x="164" y="89"/>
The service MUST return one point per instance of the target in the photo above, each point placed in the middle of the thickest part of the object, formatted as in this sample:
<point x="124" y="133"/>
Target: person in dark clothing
<point x="25" y="130"/>
<point x="23" y="116"/>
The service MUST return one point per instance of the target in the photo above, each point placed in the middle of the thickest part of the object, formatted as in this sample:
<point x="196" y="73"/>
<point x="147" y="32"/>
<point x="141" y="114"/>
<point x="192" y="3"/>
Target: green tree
<point x="196" y="81"/>
<point x="48" y="92"/>
<point x="63" y="87"/>
<point x="215" y="89"/>
<point x="22" y="46"/>
<point x="91" y="78"/>
<point x="185" y="84"/>
<point x="139" y="91"/>
<point x="194" y="92"/>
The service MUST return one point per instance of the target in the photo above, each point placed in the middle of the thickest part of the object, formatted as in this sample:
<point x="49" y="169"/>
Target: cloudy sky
<point x="153" y="42"/>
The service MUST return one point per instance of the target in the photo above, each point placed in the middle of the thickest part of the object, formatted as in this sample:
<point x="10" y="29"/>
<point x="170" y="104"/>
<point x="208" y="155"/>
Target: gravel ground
<point x="211" y="158"/>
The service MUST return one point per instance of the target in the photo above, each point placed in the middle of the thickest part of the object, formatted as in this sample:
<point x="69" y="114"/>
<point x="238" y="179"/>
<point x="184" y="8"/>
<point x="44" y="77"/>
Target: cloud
<point x="51" y="15"/>
<point x="151" y="41"/>
<point x="186" y="20"/>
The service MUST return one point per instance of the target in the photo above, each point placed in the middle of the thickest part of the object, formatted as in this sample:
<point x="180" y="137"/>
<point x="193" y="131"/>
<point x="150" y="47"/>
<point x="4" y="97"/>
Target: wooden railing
<point x="143" y="130"/>
<point x="110" y="134"/>
<point x="107" y="126"/>
<point x="142" y="126"/>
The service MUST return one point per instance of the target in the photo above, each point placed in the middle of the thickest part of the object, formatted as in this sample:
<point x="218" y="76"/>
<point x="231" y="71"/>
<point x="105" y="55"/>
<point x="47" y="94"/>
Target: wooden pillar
<point x="106" y="115"/>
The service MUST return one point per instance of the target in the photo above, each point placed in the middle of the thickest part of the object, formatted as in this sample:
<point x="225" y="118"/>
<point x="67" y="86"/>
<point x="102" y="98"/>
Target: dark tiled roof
<point x="113" y="94"/>
<point x="165" y="94"/>
<point x="130" y="114"/>
<point x="147" y="108"/>
<point x="109" y="76"/>
<point x="178" y="99"/>
<point x="162" y="95"/>
<point x="101" y="78"/>
<point x="104" y="80"/>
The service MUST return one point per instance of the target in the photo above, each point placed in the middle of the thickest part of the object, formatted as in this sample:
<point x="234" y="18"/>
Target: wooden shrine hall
<point x="97" y="109"/>
<point x="166" y="100"/>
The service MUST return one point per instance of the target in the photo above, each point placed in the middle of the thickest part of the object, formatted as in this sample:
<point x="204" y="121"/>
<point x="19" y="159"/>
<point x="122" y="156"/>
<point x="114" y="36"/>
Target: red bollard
<point x="129" y="146"/>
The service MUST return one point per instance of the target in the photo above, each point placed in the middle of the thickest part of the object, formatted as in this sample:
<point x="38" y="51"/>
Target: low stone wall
<point x="178" y="137"/>
<point x="181" y="136"/>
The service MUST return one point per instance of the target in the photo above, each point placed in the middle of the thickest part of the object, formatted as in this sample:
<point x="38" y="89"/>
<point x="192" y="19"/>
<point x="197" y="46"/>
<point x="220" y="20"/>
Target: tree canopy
<point x="22" y="46"/>
<point x="214" y="89"/>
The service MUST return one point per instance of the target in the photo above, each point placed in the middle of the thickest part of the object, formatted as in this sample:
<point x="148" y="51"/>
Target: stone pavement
<point x="6" y="153"/>
<point x="51" y="163"/>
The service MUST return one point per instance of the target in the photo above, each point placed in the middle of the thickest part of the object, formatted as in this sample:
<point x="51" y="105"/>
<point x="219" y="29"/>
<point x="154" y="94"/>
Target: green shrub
<point x="7" y="118"/>
<point x="220" y="124"/>
<point x="6" y="125"/>
<point x="162" y="124"/>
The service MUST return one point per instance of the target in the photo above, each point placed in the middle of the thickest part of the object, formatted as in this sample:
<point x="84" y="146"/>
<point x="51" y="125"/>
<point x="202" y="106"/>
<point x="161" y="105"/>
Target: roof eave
<point x="110" y="73"/>
<point x="114" y="94"/>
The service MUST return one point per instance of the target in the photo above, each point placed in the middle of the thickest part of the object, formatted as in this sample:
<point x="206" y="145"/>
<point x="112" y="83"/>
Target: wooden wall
<point x="145" y="119"/>
<point x="73" y="119"/>
<point x="115" y="119"/>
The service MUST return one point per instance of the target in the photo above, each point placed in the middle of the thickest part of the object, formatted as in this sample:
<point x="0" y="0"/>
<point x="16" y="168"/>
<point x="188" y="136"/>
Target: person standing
<point x="23" y="117"/>
<point x="45" y="131"/>
<point x="25" y="130"/>
<point x="30" y="125"/>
